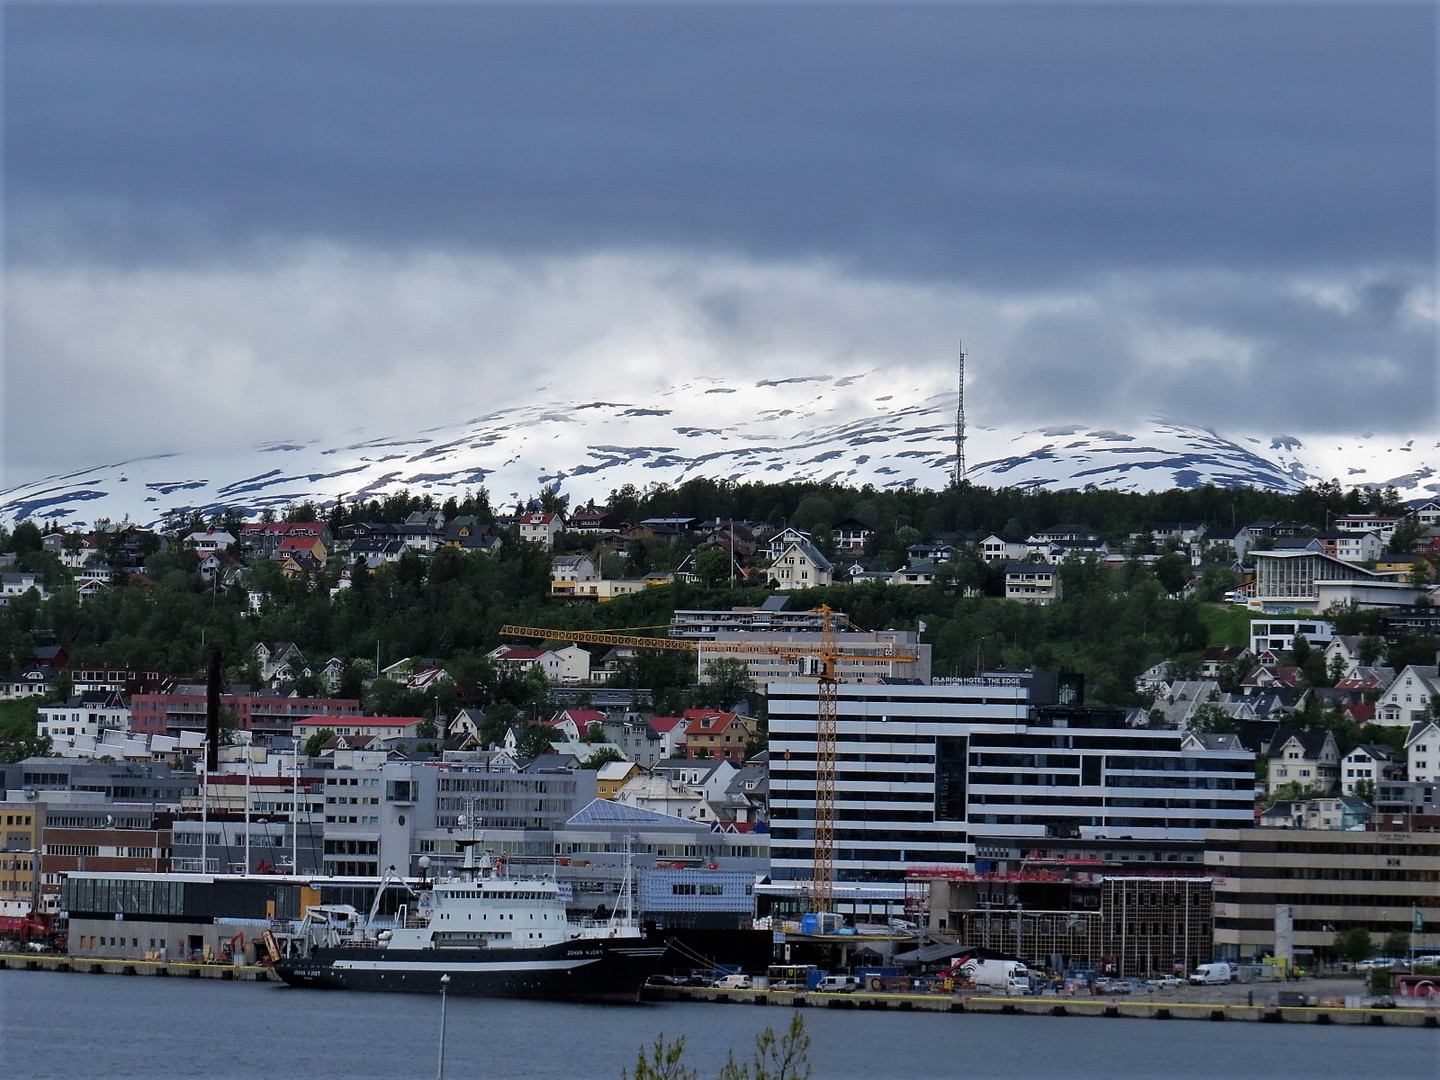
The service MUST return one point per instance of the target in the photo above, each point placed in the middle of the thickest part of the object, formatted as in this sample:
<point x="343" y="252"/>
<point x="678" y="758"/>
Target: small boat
<point x="494" y="935"/>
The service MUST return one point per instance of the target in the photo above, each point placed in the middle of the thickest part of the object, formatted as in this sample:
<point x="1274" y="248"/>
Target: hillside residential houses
<point x="567" y="571"/>
<point x="721" y="736"/>
<point x="1032" y="583"/>
<point x="801" y="566"/>
<point x="540" y="527"/>
<point x="570" y="664"/>
<point x="18" y="583"/>
<point x="263" y="539"/>
<point x="1306" y="757"/>
<point x="1370" y="763"/>
<point x="1408" y="699"/>
<point x="88" y="715"/>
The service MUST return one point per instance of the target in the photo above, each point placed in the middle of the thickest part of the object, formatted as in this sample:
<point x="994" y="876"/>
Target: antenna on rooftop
<point x="960" y="423"/>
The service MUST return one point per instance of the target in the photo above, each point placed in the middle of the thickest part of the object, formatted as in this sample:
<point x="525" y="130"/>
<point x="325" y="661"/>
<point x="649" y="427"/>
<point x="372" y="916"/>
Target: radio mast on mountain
<point x="960" y="423"/>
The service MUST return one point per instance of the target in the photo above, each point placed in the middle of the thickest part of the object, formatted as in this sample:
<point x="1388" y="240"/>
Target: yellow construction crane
<point x="823" y="657"/>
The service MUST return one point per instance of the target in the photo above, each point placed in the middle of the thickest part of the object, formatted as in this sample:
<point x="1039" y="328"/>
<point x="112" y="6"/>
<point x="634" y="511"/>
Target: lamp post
<point x="295" y="805"/>
<point x="440" y="1066"/>
<point x="204" y="801"/>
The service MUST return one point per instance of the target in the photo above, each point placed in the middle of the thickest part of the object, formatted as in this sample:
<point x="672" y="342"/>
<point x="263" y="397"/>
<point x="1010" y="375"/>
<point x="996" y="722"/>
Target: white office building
<point x="922" y="770"/>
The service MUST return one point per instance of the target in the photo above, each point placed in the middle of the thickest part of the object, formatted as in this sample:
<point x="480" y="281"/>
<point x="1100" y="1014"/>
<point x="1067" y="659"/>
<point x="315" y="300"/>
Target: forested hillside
<point x="1112" y="623"/>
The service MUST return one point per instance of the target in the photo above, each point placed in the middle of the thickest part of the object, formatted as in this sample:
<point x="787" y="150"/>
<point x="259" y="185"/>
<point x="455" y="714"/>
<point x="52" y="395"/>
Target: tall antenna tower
<point x="960" y="423"/>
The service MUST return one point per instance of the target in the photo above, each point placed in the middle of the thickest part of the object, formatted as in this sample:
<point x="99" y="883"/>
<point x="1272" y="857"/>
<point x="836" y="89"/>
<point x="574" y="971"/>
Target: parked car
<point x="1166" y="982"/>
<point x="733" y="982"/>
<point x="1377" y="962"/>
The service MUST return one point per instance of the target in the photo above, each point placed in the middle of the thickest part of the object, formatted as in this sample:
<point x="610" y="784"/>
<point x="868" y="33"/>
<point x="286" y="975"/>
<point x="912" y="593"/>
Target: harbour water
<point x="68" y="1025"/>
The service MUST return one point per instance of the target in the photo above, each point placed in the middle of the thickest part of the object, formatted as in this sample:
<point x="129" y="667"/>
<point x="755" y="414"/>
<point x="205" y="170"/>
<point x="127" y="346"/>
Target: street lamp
<point x="440" y="1067"/>
<point x="204" y="801"/>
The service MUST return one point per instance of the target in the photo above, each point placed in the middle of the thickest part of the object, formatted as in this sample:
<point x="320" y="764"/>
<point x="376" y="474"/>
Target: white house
<point x="1422" y="749"/>
<point x="566" y="571"/>
<point x="549" y="663"/>
<point x="540" y="527"/>
<point x="211" y="540"/>
<point x="1309" y="758"/>
<point x="1406" y="700"/>
<point x="1032" y="583"/>
<point x="89" y="715"/>
<point x="996" y="548"/>
<point x="18" y="584"/>
<point x="801" y="566"/>
<point x="1358" y="546"/>
<point x="1368" y="762"/>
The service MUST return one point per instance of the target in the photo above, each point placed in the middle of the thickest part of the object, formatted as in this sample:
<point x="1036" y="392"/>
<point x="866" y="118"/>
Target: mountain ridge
<point x="866" y="428"/>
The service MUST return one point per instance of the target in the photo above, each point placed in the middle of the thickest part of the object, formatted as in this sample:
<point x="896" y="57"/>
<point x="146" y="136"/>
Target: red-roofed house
<point x="671" y="730"/>
<point x="296" y="546"/>
<point x="717" y="736"/>
<point x="540" y="527"/>
<point x="548" y="662"/>
<point x="575" y="722"/>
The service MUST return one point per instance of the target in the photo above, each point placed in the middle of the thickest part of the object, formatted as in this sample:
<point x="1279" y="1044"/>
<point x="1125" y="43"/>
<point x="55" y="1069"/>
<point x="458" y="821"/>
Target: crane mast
<point x="824" y="657"/>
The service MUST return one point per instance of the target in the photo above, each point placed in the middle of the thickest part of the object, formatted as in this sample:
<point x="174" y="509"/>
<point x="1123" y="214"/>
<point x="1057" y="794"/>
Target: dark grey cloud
<point x="973" y="141"/>
<point x="1221" y="213"/>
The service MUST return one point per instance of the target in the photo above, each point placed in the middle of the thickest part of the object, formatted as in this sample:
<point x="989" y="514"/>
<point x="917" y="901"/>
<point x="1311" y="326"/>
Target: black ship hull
<point x="601" y="970"/>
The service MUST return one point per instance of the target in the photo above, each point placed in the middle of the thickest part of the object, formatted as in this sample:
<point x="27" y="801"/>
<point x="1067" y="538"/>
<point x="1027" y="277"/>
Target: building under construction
<point x="1057" y="920"/>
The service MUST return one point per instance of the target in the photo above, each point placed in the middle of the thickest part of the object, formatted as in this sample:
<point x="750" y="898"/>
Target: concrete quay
<point x="174" y="969"/>
<point x="1099" y="1007"/>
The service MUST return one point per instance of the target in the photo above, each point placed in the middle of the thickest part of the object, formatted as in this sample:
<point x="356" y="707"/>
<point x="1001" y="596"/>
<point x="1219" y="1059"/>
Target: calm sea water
<point x="73" y="1025"/>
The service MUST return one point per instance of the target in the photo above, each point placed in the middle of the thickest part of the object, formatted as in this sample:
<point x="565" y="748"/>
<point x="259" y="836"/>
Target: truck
<point x="1005" y="976"/>
<point x="1210" y="974"/>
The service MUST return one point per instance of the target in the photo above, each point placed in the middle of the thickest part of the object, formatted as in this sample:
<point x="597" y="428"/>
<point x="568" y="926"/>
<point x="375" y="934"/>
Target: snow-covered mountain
<point x="868" y="428"/>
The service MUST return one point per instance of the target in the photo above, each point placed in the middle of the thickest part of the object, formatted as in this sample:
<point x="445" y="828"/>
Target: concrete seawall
<point x="173" y="969"/>
<point x="1055" y="1006"/>
<point x="1102" y="1008"/>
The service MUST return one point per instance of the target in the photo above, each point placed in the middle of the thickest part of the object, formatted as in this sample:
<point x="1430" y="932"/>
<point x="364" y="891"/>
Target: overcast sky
<point x="231" y="222"/>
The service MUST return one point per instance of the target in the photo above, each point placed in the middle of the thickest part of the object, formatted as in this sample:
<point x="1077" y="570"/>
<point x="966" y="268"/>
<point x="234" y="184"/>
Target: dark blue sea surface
<point x="82" y="1026"/>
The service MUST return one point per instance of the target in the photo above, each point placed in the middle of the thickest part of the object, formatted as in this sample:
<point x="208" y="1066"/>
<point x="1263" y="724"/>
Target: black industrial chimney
<point x="212" y="712"/>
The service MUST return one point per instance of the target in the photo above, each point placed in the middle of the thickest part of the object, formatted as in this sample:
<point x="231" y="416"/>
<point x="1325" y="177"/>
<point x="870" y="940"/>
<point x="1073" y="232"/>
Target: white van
<point x="1209" y="974"/>
<point x="838" y="984"/>
<point x="733" y="982"/>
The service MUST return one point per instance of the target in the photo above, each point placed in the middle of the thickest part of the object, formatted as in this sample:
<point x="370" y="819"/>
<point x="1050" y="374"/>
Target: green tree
<point x="1371" y="649"/>
<point x="1173" y="572"/>
<point x="1211" y="719"/>
<point x="783" y="1057"/>
<point x="317" y="740"/>
<point x="1397" y="944"/>
<point x="1365" y="789"/>
<point x="1294" y="791"/>
<point x="726" y="685"/>
<point x="534" y="740"/>
<point x="712" y="566"/>
<point x="1353" y="945"/>
<point x="601" y="756"/>
<point x="26" y="537"/>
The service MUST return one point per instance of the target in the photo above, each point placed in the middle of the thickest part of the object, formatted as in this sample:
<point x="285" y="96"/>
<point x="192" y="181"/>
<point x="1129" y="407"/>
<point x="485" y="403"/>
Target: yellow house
<point x="612" y="776"/>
